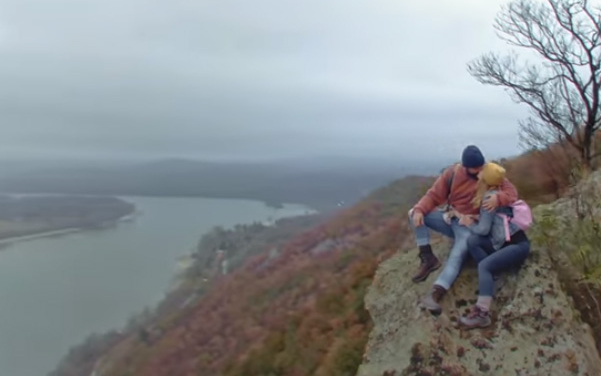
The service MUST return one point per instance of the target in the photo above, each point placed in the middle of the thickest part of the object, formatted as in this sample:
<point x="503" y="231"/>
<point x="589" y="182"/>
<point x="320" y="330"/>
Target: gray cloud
<point x="265" y="78"/>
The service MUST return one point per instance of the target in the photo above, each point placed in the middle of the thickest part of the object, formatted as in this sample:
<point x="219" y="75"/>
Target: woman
<point x="495" y="245"/>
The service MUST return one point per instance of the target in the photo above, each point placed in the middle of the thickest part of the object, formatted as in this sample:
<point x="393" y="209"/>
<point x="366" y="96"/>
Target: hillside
<point x="302" y="310"/>
<point x="297" y="308"/>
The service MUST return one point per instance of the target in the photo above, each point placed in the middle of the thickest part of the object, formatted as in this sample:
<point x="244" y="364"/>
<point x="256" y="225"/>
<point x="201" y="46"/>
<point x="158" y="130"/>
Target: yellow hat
<point x="492" y="174"/>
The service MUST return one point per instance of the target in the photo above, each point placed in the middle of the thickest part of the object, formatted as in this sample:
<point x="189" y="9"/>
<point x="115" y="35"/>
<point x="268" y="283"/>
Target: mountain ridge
<point x="323" y="186"/>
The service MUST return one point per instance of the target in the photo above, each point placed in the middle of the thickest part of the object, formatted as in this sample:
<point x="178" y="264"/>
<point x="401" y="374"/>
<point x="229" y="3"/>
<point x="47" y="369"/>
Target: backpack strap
<point x="450" y="182"/>
<point x="451" y="178"/>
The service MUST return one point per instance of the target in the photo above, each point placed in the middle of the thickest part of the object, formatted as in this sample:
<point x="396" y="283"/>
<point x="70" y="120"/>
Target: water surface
<point x="56" y="291"/>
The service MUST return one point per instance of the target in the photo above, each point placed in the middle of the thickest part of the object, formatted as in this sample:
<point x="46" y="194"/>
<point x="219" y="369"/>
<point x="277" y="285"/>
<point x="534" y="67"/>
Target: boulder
<point x="535" y="329"/>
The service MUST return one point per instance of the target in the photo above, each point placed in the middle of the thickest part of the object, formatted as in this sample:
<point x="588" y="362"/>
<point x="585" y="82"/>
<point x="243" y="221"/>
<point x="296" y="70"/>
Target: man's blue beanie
<point x="472" y="157"/>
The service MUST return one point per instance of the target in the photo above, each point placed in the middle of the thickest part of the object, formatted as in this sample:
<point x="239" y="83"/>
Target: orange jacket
<point x="462" y="191"/>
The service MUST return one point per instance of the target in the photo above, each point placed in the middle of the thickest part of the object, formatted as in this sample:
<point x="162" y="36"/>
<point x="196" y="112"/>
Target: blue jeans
<point x="434" y="221"/>
<point x="491" y="261"/>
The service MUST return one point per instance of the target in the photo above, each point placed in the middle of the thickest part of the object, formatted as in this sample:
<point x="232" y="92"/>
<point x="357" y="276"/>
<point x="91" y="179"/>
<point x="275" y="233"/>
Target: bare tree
<point x="562" y="87"/>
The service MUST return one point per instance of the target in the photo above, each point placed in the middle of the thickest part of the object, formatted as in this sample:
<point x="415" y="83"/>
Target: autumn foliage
<point x="301" y="313"/>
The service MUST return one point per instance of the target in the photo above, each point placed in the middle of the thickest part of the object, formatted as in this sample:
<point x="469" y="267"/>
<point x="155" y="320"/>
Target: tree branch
<point x="563" y="91"/>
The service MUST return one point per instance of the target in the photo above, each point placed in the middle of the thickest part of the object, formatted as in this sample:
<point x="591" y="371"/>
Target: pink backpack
<point x="522" y="217"/>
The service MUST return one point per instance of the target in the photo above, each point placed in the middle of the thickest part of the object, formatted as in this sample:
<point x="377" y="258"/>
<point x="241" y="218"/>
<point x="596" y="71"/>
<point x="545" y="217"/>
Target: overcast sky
<point x="261" y="78"/>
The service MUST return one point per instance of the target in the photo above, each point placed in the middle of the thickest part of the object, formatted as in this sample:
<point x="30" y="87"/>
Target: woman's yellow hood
<point x="492" y="174"/>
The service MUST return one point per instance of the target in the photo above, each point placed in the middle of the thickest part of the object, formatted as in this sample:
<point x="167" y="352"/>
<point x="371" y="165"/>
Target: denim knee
<point x="483" y="268"/>
<point x="473" y="241"/>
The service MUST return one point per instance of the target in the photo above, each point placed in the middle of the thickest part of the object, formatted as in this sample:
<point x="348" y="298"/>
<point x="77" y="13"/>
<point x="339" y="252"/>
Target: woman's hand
<point x="491" y="203"/>
<point x="466" y="220"/>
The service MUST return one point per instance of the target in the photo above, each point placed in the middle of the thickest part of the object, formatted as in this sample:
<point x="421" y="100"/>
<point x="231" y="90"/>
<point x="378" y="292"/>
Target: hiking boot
<point x="432" y="301"/>
<point x="476" y="318"/>
<point x="428" y="263"/>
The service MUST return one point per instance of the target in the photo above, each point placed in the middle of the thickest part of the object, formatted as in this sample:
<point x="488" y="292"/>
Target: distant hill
<point x="26" y="216"/>
<point x="326" y="185"/>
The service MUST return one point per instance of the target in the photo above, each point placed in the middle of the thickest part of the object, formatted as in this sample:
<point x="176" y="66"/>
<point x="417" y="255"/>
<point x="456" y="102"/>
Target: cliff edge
<point x="535" y="329"/>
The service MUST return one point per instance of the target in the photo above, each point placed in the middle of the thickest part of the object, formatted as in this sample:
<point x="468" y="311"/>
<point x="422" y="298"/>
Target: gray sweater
<point x="491" y="224"/>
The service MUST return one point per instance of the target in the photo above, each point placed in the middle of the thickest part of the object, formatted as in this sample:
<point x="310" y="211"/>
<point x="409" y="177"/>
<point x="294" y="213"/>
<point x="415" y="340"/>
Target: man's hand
<point x="417" y="217"/>
<point x="449" y="215"/>
<point x="491" y="202"/>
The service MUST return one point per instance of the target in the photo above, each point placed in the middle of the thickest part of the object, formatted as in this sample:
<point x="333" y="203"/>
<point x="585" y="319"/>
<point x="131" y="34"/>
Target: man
<point x="456" y="186"/>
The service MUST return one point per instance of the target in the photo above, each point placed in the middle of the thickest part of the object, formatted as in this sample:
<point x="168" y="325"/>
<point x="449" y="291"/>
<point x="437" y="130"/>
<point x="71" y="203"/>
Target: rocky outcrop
<point x="535" y="329"/>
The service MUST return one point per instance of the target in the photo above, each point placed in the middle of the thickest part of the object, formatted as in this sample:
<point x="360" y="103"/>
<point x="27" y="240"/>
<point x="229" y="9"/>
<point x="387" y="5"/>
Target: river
<point x="55" y="291"/>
